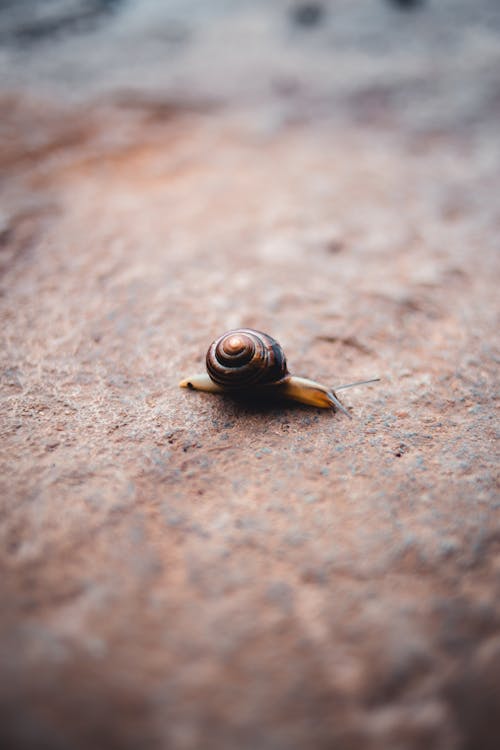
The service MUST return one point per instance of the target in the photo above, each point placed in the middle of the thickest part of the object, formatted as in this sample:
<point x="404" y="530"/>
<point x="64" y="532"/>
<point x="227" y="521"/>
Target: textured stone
<point x="184" y="570"/>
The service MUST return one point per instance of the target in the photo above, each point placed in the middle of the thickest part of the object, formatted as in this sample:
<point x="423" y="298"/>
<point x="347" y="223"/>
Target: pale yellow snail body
<point x="245" y="361"/>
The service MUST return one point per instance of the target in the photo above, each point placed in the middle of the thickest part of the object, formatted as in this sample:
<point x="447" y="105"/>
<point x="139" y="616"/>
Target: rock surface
<point x="183" y="571"/>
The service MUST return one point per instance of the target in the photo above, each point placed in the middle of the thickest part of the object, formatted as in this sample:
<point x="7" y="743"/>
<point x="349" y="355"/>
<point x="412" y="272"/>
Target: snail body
<point x="248" y="361"/>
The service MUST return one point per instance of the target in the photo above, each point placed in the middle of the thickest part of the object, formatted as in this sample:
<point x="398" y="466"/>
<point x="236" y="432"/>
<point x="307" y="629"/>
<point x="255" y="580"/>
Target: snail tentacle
<point x="201" y="382"/>
<point x="358" y="382"/>
<point x="309" y="392"/>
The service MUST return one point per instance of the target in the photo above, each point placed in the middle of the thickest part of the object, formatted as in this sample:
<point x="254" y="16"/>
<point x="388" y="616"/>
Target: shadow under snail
<point x="244" y="361"/>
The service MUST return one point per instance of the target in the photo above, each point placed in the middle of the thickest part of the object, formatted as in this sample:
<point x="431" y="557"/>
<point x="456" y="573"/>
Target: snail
<point x="245" y="361"/>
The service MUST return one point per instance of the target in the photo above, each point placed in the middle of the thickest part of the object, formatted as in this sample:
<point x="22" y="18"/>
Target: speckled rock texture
<point x="180" y="570"/>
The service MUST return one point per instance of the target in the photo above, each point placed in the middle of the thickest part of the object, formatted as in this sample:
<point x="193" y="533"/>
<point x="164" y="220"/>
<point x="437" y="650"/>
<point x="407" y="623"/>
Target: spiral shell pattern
<point x="243" y="358"/>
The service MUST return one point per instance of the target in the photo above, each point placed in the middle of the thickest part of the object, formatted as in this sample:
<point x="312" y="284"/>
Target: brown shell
<point x="244" y="358"/>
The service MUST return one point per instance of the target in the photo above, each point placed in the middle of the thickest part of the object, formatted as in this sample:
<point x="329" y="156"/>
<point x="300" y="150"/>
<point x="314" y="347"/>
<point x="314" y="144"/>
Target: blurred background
<point x="432" y="64"/>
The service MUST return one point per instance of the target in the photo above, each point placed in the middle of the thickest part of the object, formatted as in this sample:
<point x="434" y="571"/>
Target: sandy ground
<point x="180" y="570"/>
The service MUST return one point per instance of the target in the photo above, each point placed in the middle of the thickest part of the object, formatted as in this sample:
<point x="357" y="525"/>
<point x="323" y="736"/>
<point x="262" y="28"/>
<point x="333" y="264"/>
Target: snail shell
<point x="244" y="358"/>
